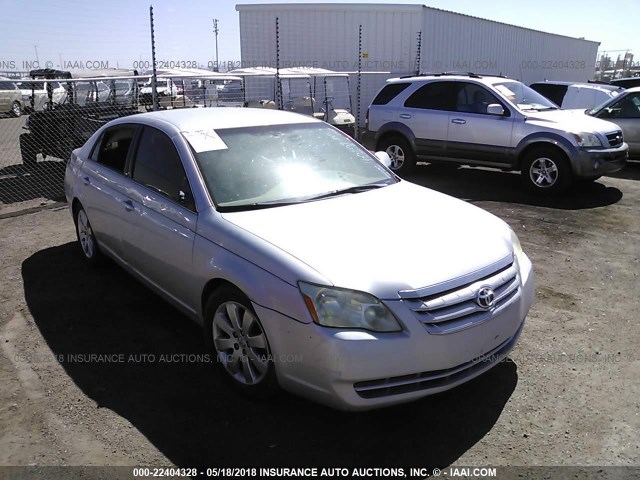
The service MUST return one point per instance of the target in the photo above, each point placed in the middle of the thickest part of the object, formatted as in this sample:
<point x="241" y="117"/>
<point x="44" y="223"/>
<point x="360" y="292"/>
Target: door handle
<point x="86" y="180"/>
<point x="458" y="121"/>
<point x="128" y="205"/>
<point x="405" y="115"/>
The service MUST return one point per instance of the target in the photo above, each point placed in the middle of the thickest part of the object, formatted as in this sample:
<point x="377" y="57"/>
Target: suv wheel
<point x="402" y="157"/>
<point x="546" y="170"/>
<point x="16" y="109"/>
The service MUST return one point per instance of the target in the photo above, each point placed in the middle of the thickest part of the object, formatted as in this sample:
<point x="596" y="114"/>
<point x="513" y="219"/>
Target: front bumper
<point x="595" y="162"/>
<point x="359" y="370"/>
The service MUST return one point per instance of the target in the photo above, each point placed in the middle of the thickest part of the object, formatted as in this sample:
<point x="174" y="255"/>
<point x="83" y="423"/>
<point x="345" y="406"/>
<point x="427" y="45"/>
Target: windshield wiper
<point x="354" y="189"/>
<point x="295" y="201"/>
<point x="256" y="205"/>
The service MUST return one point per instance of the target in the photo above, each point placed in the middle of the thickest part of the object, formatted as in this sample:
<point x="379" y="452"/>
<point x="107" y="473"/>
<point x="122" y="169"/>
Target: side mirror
<point x="384" y="158"/>
<point x="495" y="109"/>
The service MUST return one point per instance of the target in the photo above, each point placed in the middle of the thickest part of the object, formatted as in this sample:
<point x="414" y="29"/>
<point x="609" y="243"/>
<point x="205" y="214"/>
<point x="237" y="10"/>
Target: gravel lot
<point x="569" y="395"/>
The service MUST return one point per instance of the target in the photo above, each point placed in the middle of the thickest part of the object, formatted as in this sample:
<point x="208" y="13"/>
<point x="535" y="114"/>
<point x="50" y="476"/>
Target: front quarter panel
<point x="262" y="271"/>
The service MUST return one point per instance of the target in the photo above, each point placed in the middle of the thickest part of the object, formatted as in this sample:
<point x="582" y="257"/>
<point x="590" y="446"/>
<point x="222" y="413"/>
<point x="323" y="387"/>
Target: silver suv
<point x="494" y="122"/>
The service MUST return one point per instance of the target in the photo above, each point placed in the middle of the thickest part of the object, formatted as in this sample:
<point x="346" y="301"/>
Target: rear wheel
<point x="86" y="239"/>
<point x="240" y="342"/>
<point x="546" y="170"/>
<point x="403" y="160"/>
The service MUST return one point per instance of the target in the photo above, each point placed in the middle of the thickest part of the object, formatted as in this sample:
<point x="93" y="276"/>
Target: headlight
<point x="585" y="139"/>
<point x="338" y="307"/>
<point x="517" y="250"/>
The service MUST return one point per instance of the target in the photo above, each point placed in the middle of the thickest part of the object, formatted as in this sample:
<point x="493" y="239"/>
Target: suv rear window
<point x="389" y="92"/>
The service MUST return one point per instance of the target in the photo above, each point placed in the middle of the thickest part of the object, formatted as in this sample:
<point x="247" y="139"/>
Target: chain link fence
<point x="50" y="107"/>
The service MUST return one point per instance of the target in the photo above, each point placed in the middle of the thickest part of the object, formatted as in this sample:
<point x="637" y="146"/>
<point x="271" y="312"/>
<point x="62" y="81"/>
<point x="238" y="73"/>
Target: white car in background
<point x="576" y="95"/>
<point x="307" y="262"/>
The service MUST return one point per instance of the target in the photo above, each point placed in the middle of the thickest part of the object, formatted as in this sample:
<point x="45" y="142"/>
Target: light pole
<point x="215" y="31"/>
<point x="37" y="59"/>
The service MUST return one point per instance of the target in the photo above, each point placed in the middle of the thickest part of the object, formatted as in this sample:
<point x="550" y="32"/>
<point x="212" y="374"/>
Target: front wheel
<point x="545" y="170"/>
<point x="240" y="343"/>
<point x="28" y="151"/>
<point x="403" y="160"/>
<point x="16" y="109"/>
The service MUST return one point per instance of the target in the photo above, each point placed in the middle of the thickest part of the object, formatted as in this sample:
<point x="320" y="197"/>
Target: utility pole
<point x="37" y="59"/>
<point x="154" y="78"/>
<point x="215" y="32"/>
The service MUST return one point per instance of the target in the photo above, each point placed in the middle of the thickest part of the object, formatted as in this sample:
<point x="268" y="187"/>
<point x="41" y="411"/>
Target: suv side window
<point x="114" y="147"/>
<point x="157" y="165"/>
<point x="389" y="92"/>
<point x="473" y="98"/>
<point x="434" y="96"/>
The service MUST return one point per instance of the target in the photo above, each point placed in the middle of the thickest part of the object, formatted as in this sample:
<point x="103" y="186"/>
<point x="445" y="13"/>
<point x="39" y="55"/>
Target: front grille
<point x="615" y="138"/>
<point x="456" y="309"/>
<point x="436" y="378"/>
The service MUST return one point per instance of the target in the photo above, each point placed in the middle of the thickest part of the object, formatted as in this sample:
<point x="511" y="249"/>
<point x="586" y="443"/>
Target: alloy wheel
<point x="543" y="172"/>
<point x="396" y="154"/>
<point x="241" y="343"/>
<point x="85" y="235"/>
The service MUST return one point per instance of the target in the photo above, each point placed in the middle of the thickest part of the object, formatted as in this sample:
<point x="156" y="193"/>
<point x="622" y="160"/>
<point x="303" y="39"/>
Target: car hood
<point x="399" y="237"/>
<point x="571" y="121"/>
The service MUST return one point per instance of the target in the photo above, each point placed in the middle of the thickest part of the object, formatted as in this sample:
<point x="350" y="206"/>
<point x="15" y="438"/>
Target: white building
<point x="396" y="38"/>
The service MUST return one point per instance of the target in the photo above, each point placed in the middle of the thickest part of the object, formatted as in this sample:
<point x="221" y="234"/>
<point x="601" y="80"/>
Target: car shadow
<point x="187" y="410"/>
<point x="630" y="172"/>
<point x="19" y="183"/>
<point x="481" y="184"/>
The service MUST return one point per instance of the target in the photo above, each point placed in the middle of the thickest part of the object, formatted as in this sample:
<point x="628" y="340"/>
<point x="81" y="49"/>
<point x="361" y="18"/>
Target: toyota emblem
<point x="485" y="297"/>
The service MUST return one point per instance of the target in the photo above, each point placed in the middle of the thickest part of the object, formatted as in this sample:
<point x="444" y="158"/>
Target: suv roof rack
<point x="460" y="74"/>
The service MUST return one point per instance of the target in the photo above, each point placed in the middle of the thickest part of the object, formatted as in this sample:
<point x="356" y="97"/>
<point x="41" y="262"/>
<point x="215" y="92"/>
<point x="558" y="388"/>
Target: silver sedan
<point x="308" y="263"/>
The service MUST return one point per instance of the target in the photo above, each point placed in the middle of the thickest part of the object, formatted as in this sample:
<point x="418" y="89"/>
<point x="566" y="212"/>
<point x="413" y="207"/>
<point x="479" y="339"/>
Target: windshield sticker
<point x="205" y="141"/>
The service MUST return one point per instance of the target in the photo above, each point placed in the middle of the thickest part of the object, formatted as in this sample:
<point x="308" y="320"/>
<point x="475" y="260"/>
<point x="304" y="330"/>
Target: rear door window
<point x="435" y="96"/>
<point x="114" y="147"/>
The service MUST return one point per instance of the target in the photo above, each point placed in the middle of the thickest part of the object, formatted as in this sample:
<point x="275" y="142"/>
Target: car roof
<point x="195" y="119"/>
<point x="485" y="79"/>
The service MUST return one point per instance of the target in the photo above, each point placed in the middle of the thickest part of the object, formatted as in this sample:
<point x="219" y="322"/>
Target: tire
<point x="242" y="351"/>
<point x="86" y="239"/>
<point x="28" y="151"/>
<point x="403" y="160"/>
<point x="546" y="170"/>
<point x="16" y="109"/>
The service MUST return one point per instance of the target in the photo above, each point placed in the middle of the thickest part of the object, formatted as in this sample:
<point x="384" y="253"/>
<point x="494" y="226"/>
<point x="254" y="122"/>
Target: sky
<point x="116" y="33"/>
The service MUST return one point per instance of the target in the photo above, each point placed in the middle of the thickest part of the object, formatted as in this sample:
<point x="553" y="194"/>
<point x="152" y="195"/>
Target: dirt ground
<point x="570" y="394"/>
